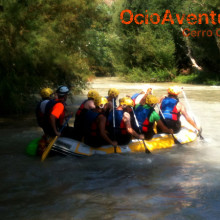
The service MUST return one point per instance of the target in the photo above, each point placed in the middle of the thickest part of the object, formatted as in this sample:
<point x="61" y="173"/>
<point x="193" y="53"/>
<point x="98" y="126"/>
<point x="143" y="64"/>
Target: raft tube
<point x="69" y="146"/>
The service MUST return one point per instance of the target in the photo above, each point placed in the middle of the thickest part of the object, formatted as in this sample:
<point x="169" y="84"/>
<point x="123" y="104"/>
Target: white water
<point x="179" y="183"/>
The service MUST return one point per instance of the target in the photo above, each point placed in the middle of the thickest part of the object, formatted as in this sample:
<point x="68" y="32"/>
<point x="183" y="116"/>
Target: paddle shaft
<point x="113" y="109"/>
<point x="186" y="100"/>
<point x="66" y="122"/>
<point x="136" y="121"/>
<point x="49" y="147"/>
<point x="166" y="124"/>
<point x="189" y="107"/>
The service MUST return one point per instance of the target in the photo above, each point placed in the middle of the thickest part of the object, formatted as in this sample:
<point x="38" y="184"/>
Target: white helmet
<point x="62" y="90"/>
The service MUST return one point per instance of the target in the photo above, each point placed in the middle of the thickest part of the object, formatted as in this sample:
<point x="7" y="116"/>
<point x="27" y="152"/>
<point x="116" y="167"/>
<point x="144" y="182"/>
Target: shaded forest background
<point x="54" y="42"/>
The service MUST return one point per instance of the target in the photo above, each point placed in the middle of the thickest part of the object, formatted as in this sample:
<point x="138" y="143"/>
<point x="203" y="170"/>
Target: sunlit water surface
<point x="179" y="183"/>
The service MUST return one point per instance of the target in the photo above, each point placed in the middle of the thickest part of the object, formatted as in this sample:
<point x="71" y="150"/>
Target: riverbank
<point x="201" y="92"/>
<point x="103" y="84"/>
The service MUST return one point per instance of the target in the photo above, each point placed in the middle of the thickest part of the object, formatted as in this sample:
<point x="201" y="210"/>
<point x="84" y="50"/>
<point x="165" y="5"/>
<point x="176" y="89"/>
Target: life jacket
<point x="168" y="108"/>
<point x="143" y="115"/>
<point x="39" y="113"/>
<point x="120" y="127"/>
<point x="81" y="107"/>
<point x="80" y="117"/>
<point x="46" y="126"/>
<point x="134" y="97"/>
<point x="91" y="128"/>
<point x="48" y="110"/>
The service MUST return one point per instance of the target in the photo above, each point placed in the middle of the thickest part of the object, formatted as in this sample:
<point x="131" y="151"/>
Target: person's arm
<point x="56" y="113"/>
<point x="164" y="128"/>
<point x="101" y="120"/>
<point x="155" y="117"/>
<point x="89" y="104"/>
<point x="162" y="98"/>
<point x="53" y="124"/>
<point x="110" y="106"/>
<point x="185" y="114"/>
<point x="143" y="100"/>
<point x="127" y="120"/>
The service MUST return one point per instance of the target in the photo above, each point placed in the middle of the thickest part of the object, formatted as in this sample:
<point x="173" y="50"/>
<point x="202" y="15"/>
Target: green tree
<point x="144" y="52"/>
<point x="206" y="49"/>
<point x="43" y="44"/>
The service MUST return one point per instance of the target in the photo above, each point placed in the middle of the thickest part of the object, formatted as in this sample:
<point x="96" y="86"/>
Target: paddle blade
<point x="200" y="134"/>
<point x="176" y="141"/>
<point x="47" y="150"/>
<point x="147" y="151"/>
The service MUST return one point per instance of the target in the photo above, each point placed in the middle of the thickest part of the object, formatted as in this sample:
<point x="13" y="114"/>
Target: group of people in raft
<point x="99" y="121"/>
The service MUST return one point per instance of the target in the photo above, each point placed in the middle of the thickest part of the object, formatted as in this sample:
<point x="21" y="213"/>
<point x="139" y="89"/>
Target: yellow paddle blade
<point x="47" y="150"/>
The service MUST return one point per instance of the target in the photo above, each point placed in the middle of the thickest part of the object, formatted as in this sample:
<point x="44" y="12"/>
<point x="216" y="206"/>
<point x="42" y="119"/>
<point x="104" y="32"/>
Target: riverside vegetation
<point x="53" y="42"/>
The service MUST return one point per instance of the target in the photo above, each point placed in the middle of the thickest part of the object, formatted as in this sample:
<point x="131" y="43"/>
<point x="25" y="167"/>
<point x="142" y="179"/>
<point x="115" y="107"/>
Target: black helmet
<point x="62" y="90"/>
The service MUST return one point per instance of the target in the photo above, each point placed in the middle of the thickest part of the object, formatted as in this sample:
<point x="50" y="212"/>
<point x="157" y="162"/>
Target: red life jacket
<point x="91" y="127"/>
<point x="81" y="107"/>
<point x="80" y="117"/>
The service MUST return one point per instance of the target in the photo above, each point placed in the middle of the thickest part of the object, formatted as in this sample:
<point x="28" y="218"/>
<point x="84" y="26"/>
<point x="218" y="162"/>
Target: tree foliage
<point x="145" y="50"/>
<point x="44" y="43"/>
<point x="53" y="42"/>
<point x="159" y="52"/>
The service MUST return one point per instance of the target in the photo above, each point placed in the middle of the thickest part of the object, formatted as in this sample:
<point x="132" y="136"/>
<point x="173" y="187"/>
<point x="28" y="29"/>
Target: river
<point x="178" y="183"/>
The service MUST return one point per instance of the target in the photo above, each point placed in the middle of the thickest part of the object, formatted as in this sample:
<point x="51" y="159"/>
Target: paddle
<point x="49" y="147"/>
<point x="176" y="141"/>
<point x="189" y="107"/>
<point x="113" y="106"/>
<point x="136" y="121"/>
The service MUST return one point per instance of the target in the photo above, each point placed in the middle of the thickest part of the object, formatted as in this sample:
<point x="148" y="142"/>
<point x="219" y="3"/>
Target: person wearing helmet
<point x="147" y="116"/>
<point x="119" y="122"/>
<point x="46" y="95"/>
<point x="171" y="109"/>
<point x="55" y="112"/>
<point x="86" y="105"/>
<point x="112" y="96"/>
<point x="137" y="97"/>
<point x="92" y="94"/>
<point x="95" y="134"/>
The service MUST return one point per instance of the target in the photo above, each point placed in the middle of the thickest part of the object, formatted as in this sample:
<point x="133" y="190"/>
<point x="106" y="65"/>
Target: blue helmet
<point x="62" y="90"/>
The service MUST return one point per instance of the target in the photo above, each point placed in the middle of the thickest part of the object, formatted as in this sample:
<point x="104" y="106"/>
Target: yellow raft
<point x="69" y="146"/>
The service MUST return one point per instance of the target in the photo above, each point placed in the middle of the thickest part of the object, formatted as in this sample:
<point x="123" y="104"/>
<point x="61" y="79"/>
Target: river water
<point x="178" y="183"/>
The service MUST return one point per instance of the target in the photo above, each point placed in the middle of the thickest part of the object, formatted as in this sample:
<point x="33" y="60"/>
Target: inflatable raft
<point x="69" y="146"/>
